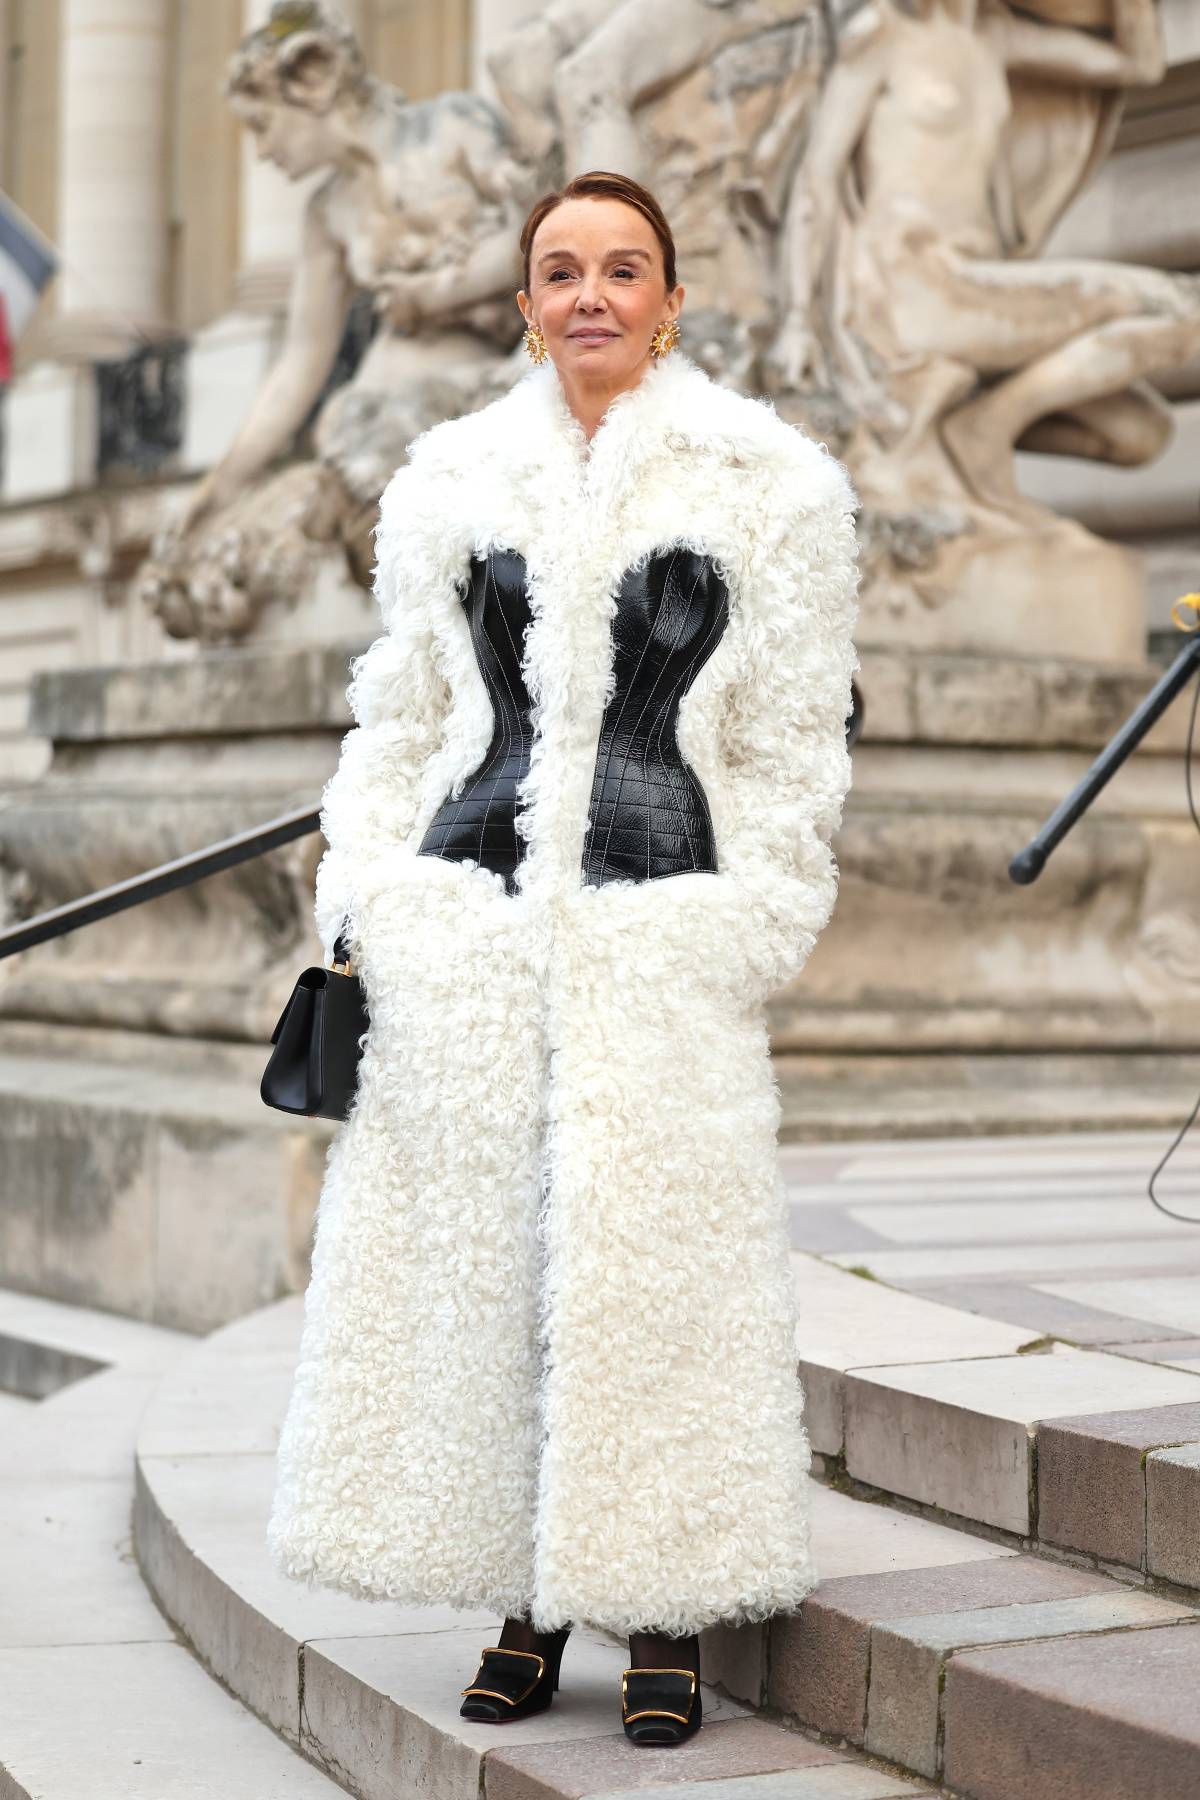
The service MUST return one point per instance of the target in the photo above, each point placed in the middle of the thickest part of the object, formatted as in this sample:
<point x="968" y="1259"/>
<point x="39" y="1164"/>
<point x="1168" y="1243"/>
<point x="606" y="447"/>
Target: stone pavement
<point x="99" y="1697"/>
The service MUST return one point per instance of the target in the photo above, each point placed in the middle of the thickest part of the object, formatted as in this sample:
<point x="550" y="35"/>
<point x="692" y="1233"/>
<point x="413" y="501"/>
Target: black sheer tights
<point x="518" y="1634"/>
<point x="655" y="1650"/>
<point x="647" y="1649"/>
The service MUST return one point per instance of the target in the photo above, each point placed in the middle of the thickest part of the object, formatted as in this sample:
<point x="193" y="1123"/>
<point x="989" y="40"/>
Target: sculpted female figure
<point x="580" y="830"/>
<point x="949" y="138"/>
<point x="419" y="207"/>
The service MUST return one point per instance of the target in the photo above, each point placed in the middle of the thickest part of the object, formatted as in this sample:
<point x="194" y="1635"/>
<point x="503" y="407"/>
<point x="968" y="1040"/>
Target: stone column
<point x="5" y="59"/>
<point x="112" y="175"/>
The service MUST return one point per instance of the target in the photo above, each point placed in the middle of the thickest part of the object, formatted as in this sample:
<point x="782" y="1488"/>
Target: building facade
<point x="176" y="250"/>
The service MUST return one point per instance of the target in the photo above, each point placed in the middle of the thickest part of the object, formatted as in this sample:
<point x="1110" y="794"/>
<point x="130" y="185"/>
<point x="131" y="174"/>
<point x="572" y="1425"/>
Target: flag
<point x="27" y="262"/>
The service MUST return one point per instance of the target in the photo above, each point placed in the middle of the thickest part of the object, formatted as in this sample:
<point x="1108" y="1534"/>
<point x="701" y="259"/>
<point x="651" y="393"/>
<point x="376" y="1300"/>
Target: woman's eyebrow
<point x="547" y="254"/>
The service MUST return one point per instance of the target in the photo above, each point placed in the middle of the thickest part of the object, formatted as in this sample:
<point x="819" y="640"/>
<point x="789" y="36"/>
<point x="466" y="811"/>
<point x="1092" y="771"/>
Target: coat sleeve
<point x="399" y="698"/>
<point x="782" y="731"/>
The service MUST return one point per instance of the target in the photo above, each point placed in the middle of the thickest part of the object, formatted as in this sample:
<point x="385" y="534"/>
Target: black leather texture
<point x="318" y="1039"/>
<point x="481" y="823"/>
<point x="649" y="814"/>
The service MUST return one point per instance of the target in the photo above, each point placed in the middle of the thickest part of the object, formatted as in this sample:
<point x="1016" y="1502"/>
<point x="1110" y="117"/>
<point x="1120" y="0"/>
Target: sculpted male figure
<point x="569" y="75"/>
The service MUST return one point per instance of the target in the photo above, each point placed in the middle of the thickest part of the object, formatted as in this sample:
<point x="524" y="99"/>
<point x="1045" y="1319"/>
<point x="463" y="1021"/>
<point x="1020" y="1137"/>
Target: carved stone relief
<point x="860" y="190"/>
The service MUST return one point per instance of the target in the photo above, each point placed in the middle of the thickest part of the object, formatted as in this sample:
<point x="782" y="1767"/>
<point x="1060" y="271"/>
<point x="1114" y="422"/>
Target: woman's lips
<point x="593" y="337"/>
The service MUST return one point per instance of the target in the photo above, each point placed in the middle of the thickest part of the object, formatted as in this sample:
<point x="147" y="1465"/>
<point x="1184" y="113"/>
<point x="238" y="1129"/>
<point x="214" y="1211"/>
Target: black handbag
<point x="313" y="1068"/>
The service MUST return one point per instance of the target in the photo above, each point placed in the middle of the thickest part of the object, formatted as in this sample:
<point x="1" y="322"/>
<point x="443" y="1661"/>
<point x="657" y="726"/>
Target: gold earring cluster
<point x="664" y="340"/>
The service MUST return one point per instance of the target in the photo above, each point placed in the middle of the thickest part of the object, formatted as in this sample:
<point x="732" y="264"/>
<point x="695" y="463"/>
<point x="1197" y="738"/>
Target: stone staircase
<point x="369" y="1692"/>
<point x="911" y="1094"/>
<point x="1058" y="1668"/>
<point x="1003" y="1528"/>
<point x="946" y="1639"/>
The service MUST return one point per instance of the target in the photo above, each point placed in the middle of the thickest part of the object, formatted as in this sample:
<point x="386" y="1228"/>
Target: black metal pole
<point x="1028" y="864"/>
<point x="163" y="880"/>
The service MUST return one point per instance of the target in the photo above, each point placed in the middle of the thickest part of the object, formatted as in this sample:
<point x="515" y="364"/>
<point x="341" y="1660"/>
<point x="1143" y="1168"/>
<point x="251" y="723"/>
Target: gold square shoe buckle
<point x="658" y="1712"/>
<point x="493" y="1693"/>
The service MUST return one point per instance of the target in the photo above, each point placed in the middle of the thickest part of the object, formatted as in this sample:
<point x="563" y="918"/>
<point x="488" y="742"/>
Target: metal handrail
<point x="198" y="863"/>
<point x="163" y="880"/>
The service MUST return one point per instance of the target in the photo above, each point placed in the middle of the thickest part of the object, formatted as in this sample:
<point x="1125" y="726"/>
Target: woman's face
<point x="597" y="289"/>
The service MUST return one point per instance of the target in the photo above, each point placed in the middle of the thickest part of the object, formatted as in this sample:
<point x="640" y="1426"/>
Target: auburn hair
<point x="604" y="184"/>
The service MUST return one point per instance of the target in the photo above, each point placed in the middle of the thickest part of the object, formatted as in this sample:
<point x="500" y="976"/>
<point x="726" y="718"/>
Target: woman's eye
<point x="555" y="273"/>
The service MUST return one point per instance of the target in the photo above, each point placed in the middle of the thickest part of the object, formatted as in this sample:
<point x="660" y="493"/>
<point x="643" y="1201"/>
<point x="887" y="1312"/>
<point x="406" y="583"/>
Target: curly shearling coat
<point x="548" y="1353"/>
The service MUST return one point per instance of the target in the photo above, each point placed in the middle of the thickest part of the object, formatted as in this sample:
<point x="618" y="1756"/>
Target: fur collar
<point x="676" y="411"/>
<point x="677" y="459"/>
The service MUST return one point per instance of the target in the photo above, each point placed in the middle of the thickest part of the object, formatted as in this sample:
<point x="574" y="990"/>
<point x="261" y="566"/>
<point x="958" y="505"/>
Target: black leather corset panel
<point x="481" y="823"/>
<point x="648" y="815"/>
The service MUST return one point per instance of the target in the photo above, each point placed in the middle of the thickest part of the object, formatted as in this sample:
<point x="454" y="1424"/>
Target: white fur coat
<point x="548" y="1355"/>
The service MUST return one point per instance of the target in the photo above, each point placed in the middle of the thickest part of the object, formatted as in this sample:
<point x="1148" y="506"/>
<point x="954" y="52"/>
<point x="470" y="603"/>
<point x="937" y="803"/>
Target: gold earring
<point x="665" y="338"/>
<point x="535" y="343"/>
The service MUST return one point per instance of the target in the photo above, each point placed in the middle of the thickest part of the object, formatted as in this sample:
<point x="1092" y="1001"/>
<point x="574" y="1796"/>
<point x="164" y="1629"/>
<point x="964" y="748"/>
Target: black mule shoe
<point x="512" y="1684"/>
<point x="660" y="1706"/>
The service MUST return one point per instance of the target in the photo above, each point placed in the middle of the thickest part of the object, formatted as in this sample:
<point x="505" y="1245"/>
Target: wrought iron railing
<point x="181" y="872"/>
<point x="184" y="870"/>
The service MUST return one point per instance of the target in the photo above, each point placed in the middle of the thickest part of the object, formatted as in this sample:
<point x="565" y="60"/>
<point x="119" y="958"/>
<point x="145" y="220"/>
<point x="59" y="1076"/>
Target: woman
<point x="580" y="831"/>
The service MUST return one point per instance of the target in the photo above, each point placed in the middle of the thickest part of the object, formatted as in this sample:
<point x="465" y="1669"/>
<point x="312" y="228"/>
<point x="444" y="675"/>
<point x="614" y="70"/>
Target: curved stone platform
<point x="934" y="1650"/>
<point x="369" y="1692"/>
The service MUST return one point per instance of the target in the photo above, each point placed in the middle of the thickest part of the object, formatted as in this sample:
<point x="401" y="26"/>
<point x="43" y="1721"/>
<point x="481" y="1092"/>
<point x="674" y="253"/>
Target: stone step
<point x="849" y="1089"/>
<point x="371" y="1692"/>
<point x="885" y="1658"/>
<point x="1010" y="1679"/>
<point x="1063" y="1411"/>
<point x="99" y="1699"/>
<point x="1079" y="1449"/>
<point x="145" y="1176"/>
